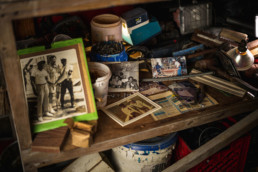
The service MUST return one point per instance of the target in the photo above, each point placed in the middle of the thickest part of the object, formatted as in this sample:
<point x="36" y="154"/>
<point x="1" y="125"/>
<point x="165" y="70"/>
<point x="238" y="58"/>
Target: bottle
<point x="241" y="56"/>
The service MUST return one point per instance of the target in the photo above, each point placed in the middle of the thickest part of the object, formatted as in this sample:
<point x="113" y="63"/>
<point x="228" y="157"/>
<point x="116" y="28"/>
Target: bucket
<point x="149" y="155"/>
<point x="101" y="74"/>
<point x="106" y="27"/>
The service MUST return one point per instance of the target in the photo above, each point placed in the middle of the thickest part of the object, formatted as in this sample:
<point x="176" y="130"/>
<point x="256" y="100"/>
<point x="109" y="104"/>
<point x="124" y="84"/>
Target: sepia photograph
<point x="168" y="66"/>
<point x="125" y="77"/>
<point x="55" y="84"/>
<point x="131" y="109"/>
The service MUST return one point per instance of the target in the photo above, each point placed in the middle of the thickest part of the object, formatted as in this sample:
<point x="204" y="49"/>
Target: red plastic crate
<point x="230" y="159"/>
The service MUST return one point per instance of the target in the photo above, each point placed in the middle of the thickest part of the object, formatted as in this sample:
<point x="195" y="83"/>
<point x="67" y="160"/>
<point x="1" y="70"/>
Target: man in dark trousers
<point x="66" y="82"/>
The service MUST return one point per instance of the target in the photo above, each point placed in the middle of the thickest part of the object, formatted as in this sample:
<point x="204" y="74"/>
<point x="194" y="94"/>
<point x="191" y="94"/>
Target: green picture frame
<point x="57" y="84"/>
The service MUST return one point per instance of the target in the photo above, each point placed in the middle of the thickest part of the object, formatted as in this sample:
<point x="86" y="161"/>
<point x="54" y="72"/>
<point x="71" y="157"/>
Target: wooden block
<point x="50" y="141"/>
<point x="81" y="138"/>
<point x="68" y="144"/>
<point x="233" y="35"/>
<point x="253" y="44"/>
<point x="255" y="52"/>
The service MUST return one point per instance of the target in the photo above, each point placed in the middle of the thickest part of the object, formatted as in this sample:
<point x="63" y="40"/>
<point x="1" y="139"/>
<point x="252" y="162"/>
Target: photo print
<point x="125" y="77"/>
<point x="56" y="84"/>
<point x="130" y="109"/>
<point x="168" y="66"/>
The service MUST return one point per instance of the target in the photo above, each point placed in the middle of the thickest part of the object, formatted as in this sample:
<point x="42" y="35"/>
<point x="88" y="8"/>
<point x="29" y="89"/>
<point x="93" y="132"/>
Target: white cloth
<point x="40" y="76"/>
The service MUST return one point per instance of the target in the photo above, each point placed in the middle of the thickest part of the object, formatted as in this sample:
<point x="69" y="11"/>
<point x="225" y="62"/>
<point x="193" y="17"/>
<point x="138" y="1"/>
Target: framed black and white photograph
<point x="125" y="77"/>
<point x="130" y="109"/>
<point x="56" y="84"/>
<point x="168" y="66"/>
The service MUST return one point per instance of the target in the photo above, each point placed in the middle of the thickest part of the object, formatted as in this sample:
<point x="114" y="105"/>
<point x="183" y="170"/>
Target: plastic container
<point x="100" y="86"/>
<point x="148" y="155"/>
<point x="106" y="27"/>
<point x="232" y="158"/>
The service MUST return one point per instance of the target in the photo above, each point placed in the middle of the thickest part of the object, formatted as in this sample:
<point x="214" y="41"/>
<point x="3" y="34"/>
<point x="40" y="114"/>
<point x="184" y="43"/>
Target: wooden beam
<point x="216" y="144"/>
<point x="14" y="83"/>
<point x="35" y="8"/>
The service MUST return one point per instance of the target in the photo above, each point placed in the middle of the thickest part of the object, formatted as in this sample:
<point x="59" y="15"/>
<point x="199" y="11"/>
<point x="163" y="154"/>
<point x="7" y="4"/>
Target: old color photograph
<point x="168" y="66"/>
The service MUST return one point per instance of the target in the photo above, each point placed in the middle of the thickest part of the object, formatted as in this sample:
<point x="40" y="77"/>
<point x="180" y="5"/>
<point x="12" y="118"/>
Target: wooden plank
<point x="219" y="83"/>
<point x="50" y="141"/>
<point x="84" y="163"/>
<point x="27" y="9"/>
<point x="233" y="35"/>
<point x="215" y="144"/>
<point x="14" y="83"/>
<point x="110" y="134"/>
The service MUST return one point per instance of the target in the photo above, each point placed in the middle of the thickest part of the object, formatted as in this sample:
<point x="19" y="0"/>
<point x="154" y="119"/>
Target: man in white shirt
<point x="40" y="80"/>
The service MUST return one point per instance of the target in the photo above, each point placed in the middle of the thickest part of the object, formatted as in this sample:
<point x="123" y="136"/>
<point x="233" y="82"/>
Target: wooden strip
<point x="224" y="82"/>
<point x="219" y="86"/>
<point x="255" y="52"/>
<point x="201" y="53"/>
<point x="253" y="44"/>
<point x="233" y="35"/>
<point x="110" y="134"/>
<point x="219" y="80"/>
<point x="216" y="144"/>
<point x="14" y="83"/>
<point x="35" y="8"/>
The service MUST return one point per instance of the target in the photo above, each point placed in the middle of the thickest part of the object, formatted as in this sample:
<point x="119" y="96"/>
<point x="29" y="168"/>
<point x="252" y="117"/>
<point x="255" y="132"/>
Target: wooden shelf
<point x="110" y="134"/>
<point x="35" y="8"/>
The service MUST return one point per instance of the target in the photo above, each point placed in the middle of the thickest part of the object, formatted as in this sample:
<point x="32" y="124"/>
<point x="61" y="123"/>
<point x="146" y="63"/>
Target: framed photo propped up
<point x="57" y="85"/>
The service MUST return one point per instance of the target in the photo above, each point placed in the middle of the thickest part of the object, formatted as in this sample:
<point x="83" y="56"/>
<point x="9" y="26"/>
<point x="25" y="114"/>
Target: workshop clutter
<point x="136" y="75"/>
<point x="148" y="155"/>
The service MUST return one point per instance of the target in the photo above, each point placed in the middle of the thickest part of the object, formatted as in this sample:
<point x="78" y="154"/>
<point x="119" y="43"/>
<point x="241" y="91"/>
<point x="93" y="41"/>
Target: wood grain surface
<point x="14" y="84"/>
<point x="36" y="8"/>
<point x="50" y="141"/>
